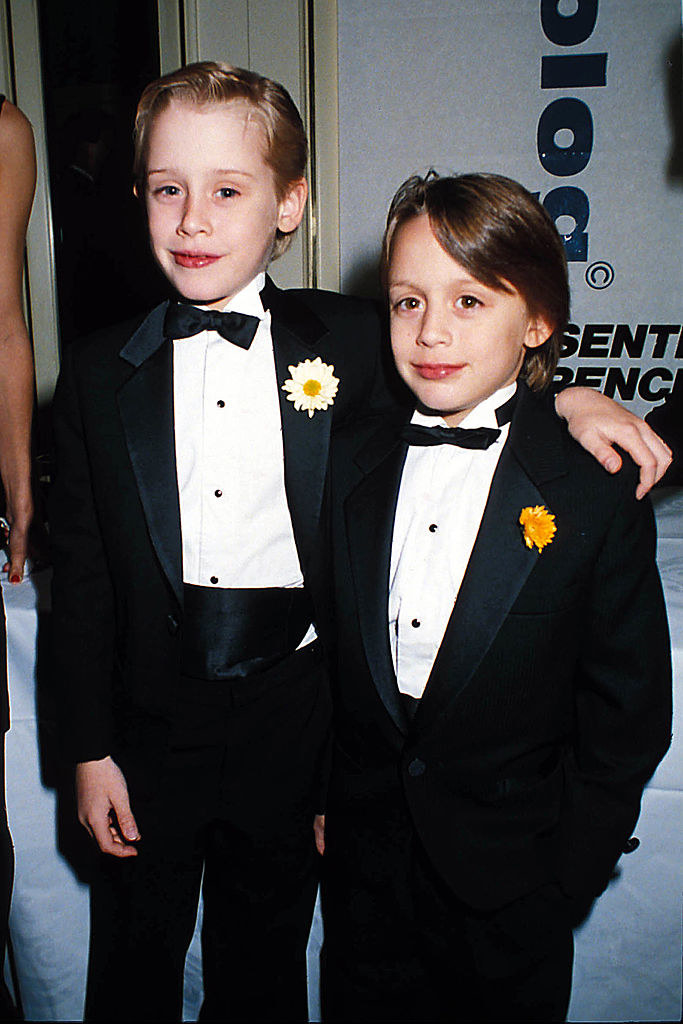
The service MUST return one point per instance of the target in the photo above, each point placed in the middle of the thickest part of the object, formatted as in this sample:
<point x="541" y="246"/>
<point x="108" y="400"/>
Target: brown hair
<point x="502" y="236"/>
<point x="209" y="82"/>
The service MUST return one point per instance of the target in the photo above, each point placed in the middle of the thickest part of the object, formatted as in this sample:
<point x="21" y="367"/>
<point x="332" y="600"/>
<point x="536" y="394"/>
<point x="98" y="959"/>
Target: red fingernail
<point x="15" y="579"/>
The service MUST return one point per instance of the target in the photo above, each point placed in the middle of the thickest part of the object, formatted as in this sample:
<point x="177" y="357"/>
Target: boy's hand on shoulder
<point x="598" y="423"/>
<point x="104" y="808"/>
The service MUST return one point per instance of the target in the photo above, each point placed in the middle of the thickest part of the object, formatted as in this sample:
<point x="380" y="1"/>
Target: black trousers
<point x="399" y="946"/>
<point x="233" y="818"/>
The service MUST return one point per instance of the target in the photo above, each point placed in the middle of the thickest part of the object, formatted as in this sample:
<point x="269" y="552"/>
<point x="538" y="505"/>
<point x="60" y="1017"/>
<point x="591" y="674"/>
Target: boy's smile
<point x="455" y="341"/>
<point x="194" y="260"/>
<point x="211" y="200"/>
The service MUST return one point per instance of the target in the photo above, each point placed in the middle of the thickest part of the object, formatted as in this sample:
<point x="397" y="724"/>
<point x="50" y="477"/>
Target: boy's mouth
<point x="436" y="371"/>
<point x="194" y="260"/>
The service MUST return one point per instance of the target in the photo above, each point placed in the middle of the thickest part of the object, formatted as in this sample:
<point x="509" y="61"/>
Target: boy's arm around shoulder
<point x="622" y="690"/>
<point x="599" y="424"/>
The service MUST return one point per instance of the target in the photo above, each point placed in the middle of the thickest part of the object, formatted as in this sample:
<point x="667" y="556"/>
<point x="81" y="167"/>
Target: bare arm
<point x="598" y="423"/>
<point x="17" y="186"/>
<point x="104" y="808"/>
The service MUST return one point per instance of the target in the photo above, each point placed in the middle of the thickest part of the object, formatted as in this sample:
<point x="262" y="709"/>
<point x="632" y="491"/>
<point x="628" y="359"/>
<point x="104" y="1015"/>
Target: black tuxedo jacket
<point x="549" y="704"/>
<point x="114" y="517"/>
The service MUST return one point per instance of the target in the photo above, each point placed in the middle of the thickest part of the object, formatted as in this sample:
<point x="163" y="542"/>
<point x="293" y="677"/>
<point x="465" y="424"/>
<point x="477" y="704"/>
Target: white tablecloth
<point x="628" y="952"/>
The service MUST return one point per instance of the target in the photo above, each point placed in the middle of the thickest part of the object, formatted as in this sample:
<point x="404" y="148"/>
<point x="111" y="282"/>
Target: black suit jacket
<point x="114" y="518"/>
<point x="549" y="704"/>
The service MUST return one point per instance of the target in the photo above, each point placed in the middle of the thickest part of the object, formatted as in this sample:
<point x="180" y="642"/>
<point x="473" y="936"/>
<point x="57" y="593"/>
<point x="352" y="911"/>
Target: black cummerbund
<point x="230" y="634"/>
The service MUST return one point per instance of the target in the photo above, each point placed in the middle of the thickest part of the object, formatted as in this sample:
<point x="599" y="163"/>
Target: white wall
<point x="457" y="85"/>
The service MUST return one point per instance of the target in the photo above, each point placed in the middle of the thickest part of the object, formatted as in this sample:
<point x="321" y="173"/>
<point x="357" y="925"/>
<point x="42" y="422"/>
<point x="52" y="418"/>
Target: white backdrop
<point x="464" y="85"/>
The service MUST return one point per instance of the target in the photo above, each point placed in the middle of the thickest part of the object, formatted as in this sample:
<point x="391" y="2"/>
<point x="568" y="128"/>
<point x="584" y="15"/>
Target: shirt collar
<point x="248" y="299"/>
<point x="482" y="415"/>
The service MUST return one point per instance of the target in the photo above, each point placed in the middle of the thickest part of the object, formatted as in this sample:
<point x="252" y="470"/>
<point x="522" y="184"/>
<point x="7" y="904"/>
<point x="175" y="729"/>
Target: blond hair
<point x="210" y="82"/>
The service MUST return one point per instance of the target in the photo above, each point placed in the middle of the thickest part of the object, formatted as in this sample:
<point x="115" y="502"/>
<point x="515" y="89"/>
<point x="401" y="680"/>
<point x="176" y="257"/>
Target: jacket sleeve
<point x="623" y="699"/>
<point x="82" y="598"/>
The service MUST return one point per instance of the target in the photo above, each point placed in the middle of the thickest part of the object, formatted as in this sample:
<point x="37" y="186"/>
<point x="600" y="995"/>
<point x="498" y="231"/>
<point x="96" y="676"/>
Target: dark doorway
<point x="96" y="59"/>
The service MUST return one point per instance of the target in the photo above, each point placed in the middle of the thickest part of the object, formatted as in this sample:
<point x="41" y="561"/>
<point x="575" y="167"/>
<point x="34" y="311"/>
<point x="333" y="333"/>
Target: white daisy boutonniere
<point x="538" y="526"/>
<point x="312" y="385"/>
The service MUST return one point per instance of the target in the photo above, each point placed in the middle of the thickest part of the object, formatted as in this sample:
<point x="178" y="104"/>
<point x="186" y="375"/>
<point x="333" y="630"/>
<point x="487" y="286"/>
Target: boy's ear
<point x="538" y="331"/>
<point x="291" y="207"/>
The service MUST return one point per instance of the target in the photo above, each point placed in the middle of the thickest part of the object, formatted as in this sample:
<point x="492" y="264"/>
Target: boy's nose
<point x="195" y="218"/>
<point x="434" y="330"/>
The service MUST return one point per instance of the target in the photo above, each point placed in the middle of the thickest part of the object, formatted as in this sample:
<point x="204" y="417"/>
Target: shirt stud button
<point x="433" y="528"/>
<point x="220" y="403"/>
<point x="415" y="623"/>
<point x="214" y="579"/>
<point x="218" y="493"/>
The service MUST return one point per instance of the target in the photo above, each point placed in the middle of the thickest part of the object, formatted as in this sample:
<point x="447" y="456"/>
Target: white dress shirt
<point x="441" y="502"/>
<point x="235" y="522"/>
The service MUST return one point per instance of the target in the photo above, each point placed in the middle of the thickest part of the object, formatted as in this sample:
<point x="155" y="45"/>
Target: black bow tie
<point x="183" y="321"/>
<point x="463" y="437"/>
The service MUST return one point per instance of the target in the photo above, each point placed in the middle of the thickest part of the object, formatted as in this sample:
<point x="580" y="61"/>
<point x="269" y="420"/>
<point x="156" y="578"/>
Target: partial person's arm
<point x="17" y="186"/>
<point x="598" y="423"/>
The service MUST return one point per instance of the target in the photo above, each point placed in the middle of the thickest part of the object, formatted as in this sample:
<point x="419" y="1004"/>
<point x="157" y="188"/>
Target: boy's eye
<point x="167" y="190"/>
<point x="227" y="192"/>
<point x="407" y="303"/>
<point x="468" y="302"/>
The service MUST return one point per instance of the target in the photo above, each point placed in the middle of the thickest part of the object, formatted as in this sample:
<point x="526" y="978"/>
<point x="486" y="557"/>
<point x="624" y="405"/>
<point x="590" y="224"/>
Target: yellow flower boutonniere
<point x="312" y="385"/>
<point x="538" y="526"/>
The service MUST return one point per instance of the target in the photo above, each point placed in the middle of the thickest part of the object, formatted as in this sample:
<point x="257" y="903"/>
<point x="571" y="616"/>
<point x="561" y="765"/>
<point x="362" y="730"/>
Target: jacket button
<point x="172" y="624"/>
<point x="416" y="768"/>
<point x="631" y="844"/>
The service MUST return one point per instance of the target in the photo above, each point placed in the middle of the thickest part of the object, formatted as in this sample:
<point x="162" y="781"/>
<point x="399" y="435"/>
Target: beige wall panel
<point x="325" y="139"/>
<point x="217" y="31"/>
<point x="169" y="36"/>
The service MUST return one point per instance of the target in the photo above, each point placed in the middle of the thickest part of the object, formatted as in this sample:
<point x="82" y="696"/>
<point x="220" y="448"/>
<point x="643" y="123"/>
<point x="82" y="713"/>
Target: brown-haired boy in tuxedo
<point x="497" y="713"/>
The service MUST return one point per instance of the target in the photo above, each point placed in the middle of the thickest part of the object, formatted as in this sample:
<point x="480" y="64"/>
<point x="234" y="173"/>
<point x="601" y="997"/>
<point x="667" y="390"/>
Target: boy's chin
<point x="195" y="300"/>
<point x="429" y="410"/>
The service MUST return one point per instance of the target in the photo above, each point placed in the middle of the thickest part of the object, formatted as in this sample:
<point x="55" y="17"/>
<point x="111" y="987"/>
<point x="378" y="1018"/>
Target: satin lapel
<point x="500" y="561"/>
<point x="296" y="332"/>
<point x="498" y="568"/>
<point x="146" y="408"/>
<point x="369" y="512"/>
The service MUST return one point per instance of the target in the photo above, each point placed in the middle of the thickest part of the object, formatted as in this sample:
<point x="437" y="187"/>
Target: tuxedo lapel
<point x="369" y="512"/>
<point x="297" y="333"/>
<point x="146" y="408"/>
<point x="500" y="561"/>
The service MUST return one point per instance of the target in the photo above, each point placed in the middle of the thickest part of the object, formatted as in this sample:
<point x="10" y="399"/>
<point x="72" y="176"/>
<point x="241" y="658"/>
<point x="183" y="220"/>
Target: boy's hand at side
<point x="598" y="423"/>
<point x="104" y="807"/>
